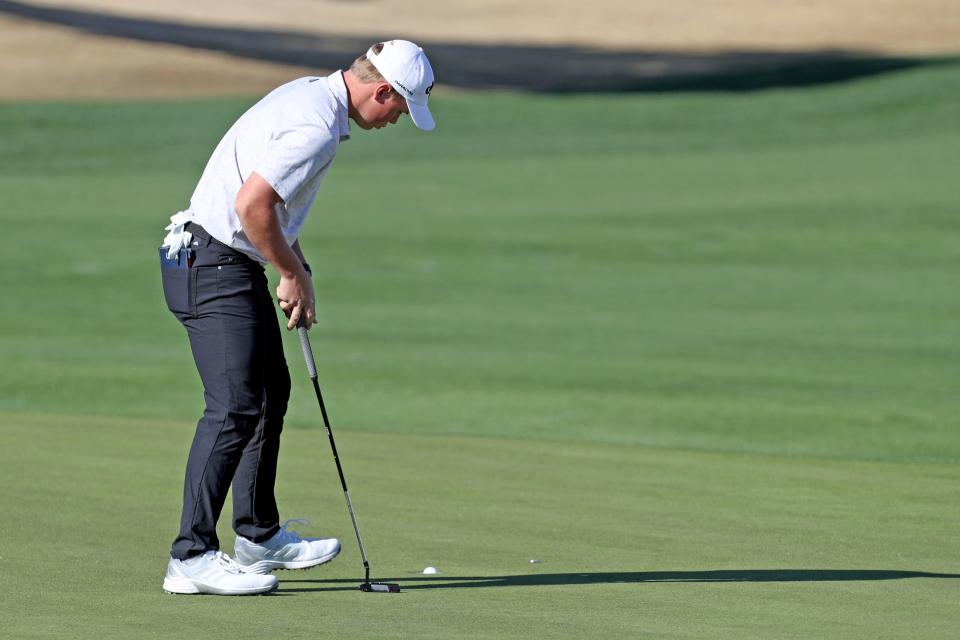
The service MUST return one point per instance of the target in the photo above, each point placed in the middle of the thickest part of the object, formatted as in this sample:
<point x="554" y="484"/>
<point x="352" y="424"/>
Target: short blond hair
<point x="364" y="70"/>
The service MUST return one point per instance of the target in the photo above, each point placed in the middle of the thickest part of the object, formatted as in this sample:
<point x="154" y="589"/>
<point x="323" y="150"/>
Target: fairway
<point x="695" y="353"/>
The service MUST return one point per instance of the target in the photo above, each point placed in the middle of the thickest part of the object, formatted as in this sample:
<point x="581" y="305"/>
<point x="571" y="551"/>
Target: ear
<point x="382" y="91"/>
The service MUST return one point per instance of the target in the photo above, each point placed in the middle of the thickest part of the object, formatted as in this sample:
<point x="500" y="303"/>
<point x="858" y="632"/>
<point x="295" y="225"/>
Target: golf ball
<point x="430" y="571"/>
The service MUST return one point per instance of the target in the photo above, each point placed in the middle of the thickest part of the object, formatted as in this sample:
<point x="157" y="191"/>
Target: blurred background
<point x="115" y="48"/>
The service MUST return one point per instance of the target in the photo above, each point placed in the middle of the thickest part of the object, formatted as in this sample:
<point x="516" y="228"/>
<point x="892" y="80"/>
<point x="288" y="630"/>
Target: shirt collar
<point x="339" y="90"/>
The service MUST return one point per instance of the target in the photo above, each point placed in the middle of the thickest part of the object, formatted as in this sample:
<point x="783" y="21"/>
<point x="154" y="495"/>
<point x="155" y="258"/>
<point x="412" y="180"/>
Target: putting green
<point x="695" y="352"/>
<point x="632" y="540"/>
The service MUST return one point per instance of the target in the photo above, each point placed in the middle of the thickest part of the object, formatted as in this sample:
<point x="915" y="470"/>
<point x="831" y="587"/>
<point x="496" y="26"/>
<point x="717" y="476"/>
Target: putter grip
<point x="307" y="351"/>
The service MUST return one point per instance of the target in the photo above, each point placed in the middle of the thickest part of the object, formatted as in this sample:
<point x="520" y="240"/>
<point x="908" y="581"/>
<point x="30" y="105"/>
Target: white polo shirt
<point x="290" y="139"/>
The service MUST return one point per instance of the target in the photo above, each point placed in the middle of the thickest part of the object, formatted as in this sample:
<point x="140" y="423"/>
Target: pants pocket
<point x="177" y="290"/>
<point x="179" y="287"/>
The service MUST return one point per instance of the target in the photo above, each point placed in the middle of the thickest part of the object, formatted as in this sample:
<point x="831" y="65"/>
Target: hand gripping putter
<point x="367" y="586"/>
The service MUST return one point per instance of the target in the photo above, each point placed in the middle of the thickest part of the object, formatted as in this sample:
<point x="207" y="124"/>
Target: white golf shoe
<point x="214" y="572"/>
<point x="285" y="550"/>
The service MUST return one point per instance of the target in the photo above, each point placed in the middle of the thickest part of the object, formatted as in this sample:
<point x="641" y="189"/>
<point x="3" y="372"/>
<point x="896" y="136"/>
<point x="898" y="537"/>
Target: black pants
<point x="222" y="300"/>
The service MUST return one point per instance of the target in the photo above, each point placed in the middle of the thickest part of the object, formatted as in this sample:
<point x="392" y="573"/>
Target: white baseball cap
<point x="405" y="66"/>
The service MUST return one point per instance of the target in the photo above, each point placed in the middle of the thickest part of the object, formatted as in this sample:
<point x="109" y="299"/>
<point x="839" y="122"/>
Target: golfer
<point x="247" y="212"/>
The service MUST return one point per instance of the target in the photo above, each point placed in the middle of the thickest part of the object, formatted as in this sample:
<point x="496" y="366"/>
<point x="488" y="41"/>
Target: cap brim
<point x="421" y="116"/>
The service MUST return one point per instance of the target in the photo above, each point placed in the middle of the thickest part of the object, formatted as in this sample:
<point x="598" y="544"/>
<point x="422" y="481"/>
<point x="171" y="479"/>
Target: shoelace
<point x="228" y="563"/>
<point x="292" y="536"/>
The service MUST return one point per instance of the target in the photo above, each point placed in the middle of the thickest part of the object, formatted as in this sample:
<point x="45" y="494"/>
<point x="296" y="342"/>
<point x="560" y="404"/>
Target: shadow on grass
<point x="560" y="69"/>
<point x="635" y="577"/>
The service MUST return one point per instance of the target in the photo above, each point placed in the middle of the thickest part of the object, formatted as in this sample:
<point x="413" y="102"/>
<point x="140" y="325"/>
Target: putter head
<point x="382" y="587"/>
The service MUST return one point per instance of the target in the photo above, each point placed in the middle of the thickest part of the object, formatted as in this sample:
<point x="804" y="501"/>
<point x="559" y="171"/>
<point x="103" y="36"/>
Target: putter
<point x="366" y="585"/>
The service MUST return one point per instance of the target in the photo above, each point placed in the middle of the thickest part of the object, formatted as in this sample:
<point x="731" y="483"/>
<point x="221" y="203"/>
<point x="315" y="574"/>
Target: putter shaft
<point x="312" y="370"/>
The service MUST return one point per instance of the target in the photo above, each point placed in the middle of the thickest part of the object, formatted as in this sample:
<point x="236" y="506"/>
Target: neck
<point x="357" y="93"/>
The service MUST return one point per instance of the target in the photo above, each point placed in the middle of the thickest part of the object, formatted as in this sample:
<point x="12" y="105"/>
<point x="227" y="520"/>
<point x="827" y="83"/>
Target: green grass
<point x="697" y="353"/>
<point x="633" y="541"/>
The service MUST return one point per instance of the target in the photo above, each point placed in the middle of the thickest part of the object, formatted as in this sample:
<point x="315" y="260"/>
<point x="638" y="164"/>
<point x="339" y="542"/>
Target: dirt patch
<point x="889" y="26"/>
<point x="53" y="63"/>
<point x="642" y="37"/>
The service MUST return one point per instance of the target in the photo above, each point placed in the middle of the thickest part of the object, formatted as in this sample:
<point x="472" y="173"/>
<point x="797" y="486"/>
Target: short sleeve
<point x="291" y="157"/>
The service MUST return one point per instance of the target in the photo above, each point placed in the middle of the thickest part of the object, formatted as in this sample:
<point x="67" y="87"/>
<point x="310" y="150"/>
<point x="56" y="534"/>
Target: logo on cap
<point x="429" y="89"/>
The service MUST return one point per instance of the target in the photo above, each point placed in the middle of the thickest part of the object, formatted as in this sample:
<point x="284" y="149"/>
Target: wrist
<point x="292" y="267"/>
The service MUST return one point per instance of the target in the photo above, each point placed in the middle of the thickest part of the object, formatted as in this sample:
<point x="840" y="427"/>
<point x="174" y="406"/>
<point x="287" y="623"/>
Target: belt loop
<point x="200" y="234"/>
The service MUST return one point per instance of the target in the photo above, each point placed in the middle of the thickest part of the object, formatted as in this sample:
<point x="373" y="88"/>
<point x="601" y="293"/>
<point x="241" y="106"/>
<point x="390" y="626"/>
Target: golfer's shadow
<point x="635" y="577"/>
